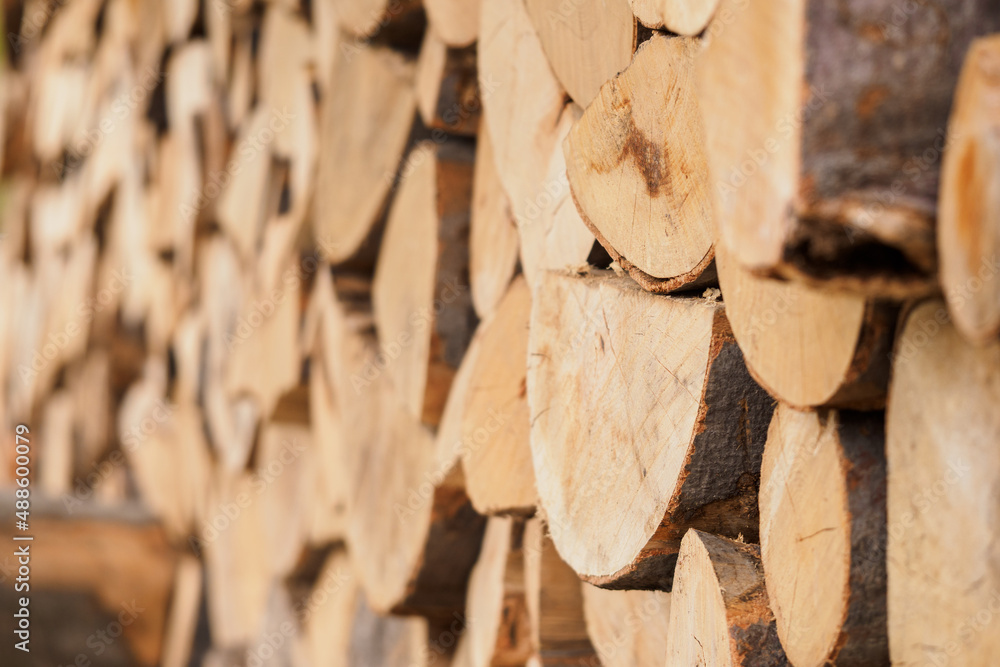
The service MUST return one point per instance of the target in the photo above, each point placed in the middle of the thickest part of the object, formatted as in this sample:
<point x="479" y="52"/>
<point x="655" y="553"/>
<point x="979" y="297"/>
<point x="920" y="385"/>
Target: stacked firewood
<point x="506" y="332"/>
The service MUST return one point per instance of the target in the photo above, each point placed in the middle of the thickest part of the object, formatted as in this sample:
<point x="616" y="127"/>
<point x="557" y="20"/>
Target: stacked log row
<point x="504" y="332"/>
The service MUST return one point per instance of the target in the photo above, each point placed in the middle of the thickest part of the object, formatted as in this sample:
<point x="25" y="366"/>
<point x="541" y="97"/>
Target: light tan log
<point x="719" y="612"/>
<point x="498" y="630"/>
<point x="552" y="234"/>
<point x="643" y="419"/>
<point x="942" y="428"/>
<point x="822" y="535"/>
<point x="587" y="42"/>
<point x="367" y="20"/>
<point x="447" y="89"/>
<point x="455" y="21"/>
<point x="330" y="606"/>
<point x="366" y="120"/>
<point x="420" y="294"/>
<point x="684" y="17"/>
<point x="182" y="621"/>
<point x="492" y="233"/>
<point x="521" y="98"/>
<point x="806" y="346"/>
<point x="555" y="602"/>
<point x="412" y="534"/>
<point x="627" y="628"/>
<point x="969" y="208"/>
<point x="499" y="475"/>
<point x="637" y="168"/>
<point x="795" y="190"/>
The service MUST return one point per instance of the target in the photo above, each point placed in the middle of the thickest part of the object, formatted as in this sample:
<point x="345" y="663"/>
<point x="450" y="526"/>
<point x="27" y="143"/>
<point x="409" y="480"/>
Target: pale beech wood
<point x="499" y="476"/>
<point x="242" y="204"/>
<point x="644" y="422"/>
<point x="684" y="17"/>
<point x="447" y="89"/>
<point x="183" y="616"/>
<point x="365" y="121"/>
<point x="554" y="602"/>
<point x="637" y="168"/>
<point x="56" y="431"/>
<point x="942" y="427"/>
<point x="332" y="601"/>
<point x="822" y="533"/>
<point x="367" y="19"/>
<point x="806" y="346"/>
<point x="412" y="535"/>
<point x="587" y="42"/>
<point x="455" y="21"/>
<point x="522" y="101"/>
<point x="492" y="232"/>
<point x="627" y="628"/>
<point x="719" y="612"/>
<point x="968" y="229"/>
<point x="552" y="234"/>
<point x="424" y="321"/>
<point x="498" y="630"/>
<point x="789" y="137"/>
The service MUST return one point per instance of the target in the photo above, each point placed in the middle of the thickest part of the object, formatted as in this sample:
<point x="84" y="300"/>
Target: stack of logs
<point x="506" y="332"/>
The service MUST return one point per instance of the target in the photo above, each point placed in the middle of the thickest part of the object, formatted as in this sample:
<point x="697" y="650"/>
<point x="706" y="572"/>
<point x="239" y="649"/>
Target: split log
<point x="798" y="190"/>
<point x="384" y="20"/>
<point x="366" y="120"/>
<point x="637" y="168"/>
<point x="499" y="476"/>
<point x="555" y="603"/>
<point x="719" y="612"/>
<point x="498" y="630"/>
<point x="942" y="428"/>
<point x="422" y="306"/>
<point x="806" y="346"/>
<point x="412" y="534"/>
<point x="822" y="536"/>
<point x="328" y="618"/>
<point x="969" y="208"/>
<point x="684" y="17"/>
<point x="182" y="621"/>
<point x="521" y="98"/>
<point x="447" y="88"/>
<point x="587" y="42"/>
<point x="552" y="234"/>
<point x="455" y="21"/>
<point x="644" y="418"/>
<point x="492" y="232"/>
<point x="627" y="628"/>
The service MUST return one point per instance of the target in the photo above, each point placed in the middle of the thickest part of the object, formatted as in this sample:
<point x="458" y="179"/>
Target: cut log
<point x="822" y="536"/>
<point x="447" y="88"/>
<point x="455" y="21"/>
<point x="829" y="176"/>
<point x="330" y="610"/>
<point x="498" y="630"/>
<point x="637" y="169"/>
<point x="555" y="603"/>
<point x="684" y="17"/>
<point x="423" y="310"/>
<point x="587" y="42"/>
<point x="412" y="534"/>
<point x="942" y="429"/>
<point x="969" y="209"/>
<point x="806" y="346"/>
<point x="366" y="119"/>
<point x="492" y="233"/>
<point x="385" y="20"/>
<point x="499" y="476"/>
<point x="521" y="98"/>
<point x="552" y="234"/>
<point x="719" y="612"/>
<point x="182" y="621"/>
<point x="627" y="628"/>
<point x="643" y="419"/>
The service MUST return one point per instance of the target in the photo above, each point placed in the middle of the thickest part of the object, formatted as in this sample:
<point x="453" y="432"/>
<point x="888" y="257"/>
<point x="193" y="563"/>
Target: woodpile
<point x="496" y="333"/>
